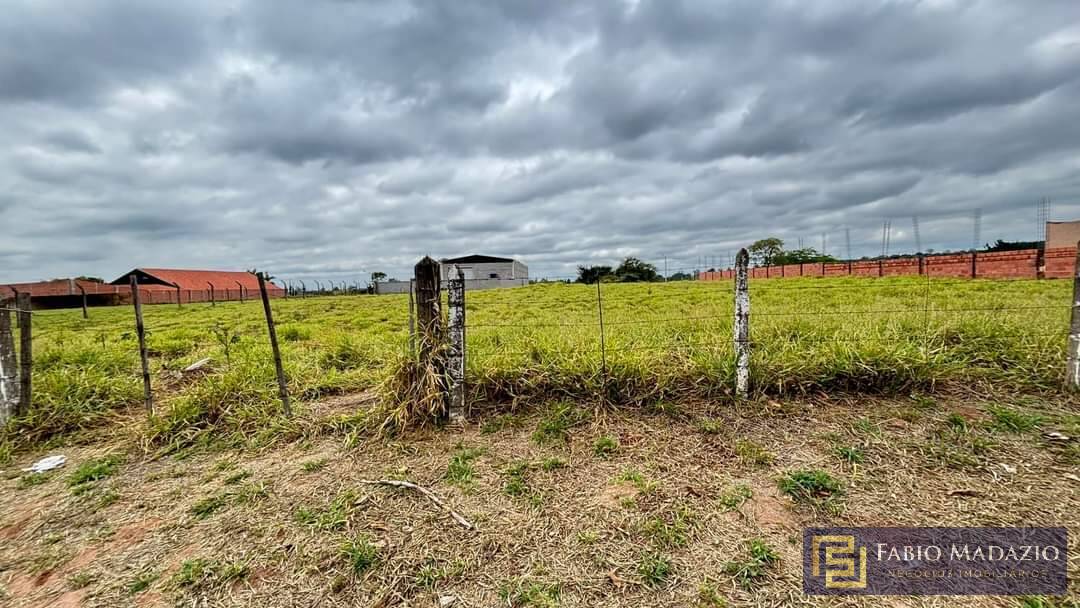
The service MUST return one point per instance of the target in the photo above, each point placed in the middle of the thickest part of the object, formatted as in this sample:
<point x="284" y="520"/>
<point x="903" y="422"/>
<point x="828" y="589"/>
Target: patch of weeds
<point x="640" y="481"/>
<point x="752" y="453"/>
<point x="588" y="537"/>
<point x="500" y="422"/>
<point x="360" y="554"/>
<point x="605" y="446"/>
<point x="80" y="580"/>
<point x="665" y="408"/>
<point x="750" y="572"/>
<point x="314" y="465"/>
<point x="555" y="426"/>
<point x="654" y="569"/>
<point x="208" y="506"/>
<point x="460" y="470"/>
<point x="735" y="497"/>
<point x="957" y="422"/>
<point x="432" y="573"/>
<point x="142" y="583"/>
<point x="711" y="426"/>
<point x="810" y="486"/>
<point x="865" y="427"/>
<point x="924" y="402"/>
<point x="91" y="471"/>
<point x="203" y="573"/>
<point x="1011" y="420"/>
<point x="709" y="597"/>
<point x="237" y="477"/>
<point x="518" y="487"/>
<point x="908" y="414"/>
<point x="1040" y="601"/>
<point x="552" y="463"/>
<point x="33" y="479"/>
<point x="523" y="592"/>
<point x="106" y="498"/>
<point x="849" y="454"/>
<point x="671" y="532"/>
<point x="249" y="493"/>
<point x="333" y="517"/>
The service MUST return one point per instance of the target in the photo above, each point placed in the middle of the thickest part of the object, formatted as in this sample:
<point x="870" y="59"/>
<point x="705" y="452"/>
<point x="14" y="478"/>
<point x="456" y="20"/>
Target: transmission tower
<point x="1042" y="216"/>
<point x="847" y="241"/>
<point x="915" y="227"/>
<point x="824" y="243"/>
<point x="977" y="229"/>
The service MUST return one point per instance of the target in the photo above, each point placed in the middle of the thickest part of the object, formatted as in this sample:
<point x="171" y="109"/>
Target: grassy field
<point x="628" y="479"/>
<point x="662" y="342"/>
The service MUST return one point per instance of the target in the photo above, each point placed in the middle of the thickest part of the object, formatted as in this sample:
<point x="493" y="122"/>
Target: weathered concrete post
<point x="1072" y="369"/>
<point x="455" y="355"/>
<point x="9" y="383"/>
<point x="283" y="389"/>
<point x="26" y="352"/>
<point x="742" y="325"/>
<point x="140" y="331"/>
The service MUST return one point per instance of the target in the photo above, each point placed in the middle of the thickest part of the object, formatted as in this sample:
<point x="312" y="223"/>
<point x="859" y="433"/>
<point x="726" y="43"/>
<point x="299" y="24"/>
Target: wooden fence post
<point x="140" y="331"/>
<point x="455" y="355"/>
<point x="82" y="290"/>
<point x="9" y="385"/>
<point x="178" y="304"/>
<point x="1072" y="366"/>
<point x="213" y="302"/>
<point x="241" y="291"/>
<point x="742" y="325"/>
<point x="283" y="389"/>
<point x="26" y="352"/>
<point x="429" y="316"/>
<point x="412" y="318"/>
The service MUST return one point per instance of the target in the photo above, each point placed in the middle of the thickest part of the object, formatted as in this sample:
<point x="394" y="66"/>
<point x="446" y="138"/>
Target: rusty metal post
<point x="742" y="325"/>
<point x="9" y="383"/>
<point x="455" y="356"/>
<point x="140" y="331"/>
<point x="283" y="389"/>
<point x="1072" y="366"/>
<point x="26" y="352"/>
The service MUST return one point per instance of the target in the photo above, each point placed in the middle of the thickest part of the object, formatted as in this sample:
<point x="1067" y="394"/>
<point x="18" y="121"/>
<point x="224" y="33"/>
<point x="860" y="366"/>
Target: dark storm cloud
<point x="329" y="139"/>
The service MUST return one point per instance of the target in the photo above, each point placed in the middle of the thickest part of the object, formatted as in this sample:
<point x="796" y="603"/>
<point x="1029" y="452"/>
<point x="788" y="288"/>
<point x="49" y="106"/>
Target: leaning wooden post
<point x="178" y="304"/>
<point x="26" y="352"/>
<point x="1072" y="366"/>
<point x="742" y="325"/>
<point x="83" y="291"/>
<point x="429" y="318"/>
<point x="241" y="291"/>
<point x="213" y="302"/>
<point x="283" y="389"/>
<point x="140" y="331"/>
<point x="9" y="383"/>
<point x="455" y="355"/>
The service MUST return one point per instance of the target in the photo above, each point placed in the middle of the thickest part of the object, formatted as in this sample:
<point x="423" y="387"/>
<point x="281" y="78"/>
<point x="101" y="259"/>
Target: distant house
<point x="481" y="272"/>
<point x="168" y="285"/>
<point x="66" y="293"/>
<point x="483" y="267"/>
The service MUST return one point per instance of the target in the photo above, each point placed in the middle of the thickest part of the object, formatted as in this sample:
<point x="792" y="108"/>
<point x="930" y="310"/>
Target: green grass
<point x="811" y="486"/>
<point x="605" y="446"/>
<point x="523" y="592"/>
<point x="1012" y="420"/>
<point x="654" y="569"/>
<point x="752" y="453"/>
<point x="460" y="470"/>
<point x="360" y="554"/>
<point x="94" y="470"/>
<point x="658" y="350"/>
<point x="751" y="571"/>
<point x="734" y="497"/>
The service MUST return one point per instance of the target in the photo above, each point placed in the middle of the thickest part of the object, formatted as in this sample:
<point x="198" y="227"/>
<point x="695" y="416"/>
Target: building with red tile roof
<point x="167" y="285"/>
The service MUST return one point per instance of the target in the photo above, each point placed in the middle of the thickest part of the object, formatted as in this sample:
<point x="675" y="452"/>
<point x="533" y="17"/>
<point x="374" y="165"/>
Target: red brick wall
<point x="865" y="268"/>
<point x="836" y="270"/>
<point x="951" y="265"/>
<point x="1059" y="262"/>
<point x="1007" y="264"/>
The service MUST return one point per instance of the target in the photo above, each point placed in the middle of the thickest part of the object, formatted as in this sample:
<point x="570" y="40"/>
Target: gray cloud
<point x="329" y="139"/>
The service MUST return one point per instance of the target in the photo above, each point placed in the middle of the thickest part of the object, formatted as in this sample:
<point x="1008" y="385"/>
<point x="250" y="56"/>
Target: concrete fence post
<point x="429" y="317"/>
<point x="742" y="325"/>
<point x="1072" y="369"/>
<point x="26" y="352"/>
<point x="9" y="383"/>
<point x="140" y="331"/>
<point x="455" y="355"/>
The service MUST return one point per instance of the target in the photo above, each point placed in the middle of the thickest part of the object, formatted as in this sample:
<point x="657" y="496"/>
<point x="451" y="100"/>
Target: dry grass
<point x="659" y="521"/>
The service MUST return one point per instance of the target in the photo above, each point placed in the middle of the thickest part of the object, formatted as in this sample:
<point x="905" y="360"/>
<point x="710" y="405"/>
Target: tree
<point x="680" y="276"/>
<point x="1001" y="245"/>
<point x="633" y="270"/>
<point x="806" y="255"/>
<point x="592" y="274"/>
<point x="378" y="277"/>
<point x="764" y="251"/>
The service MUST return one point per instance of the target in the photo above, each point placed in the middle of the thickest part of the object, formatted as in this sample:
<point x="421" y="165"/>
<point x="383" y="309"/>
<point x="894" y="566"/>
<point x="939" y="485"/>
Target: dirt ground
<point x="638" y="508"/>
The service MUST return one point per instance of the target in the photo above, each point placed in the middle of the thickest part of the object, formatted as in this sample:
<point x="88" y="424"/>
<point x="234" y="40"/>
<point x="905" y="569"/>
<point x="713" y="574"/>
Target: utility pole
<point x="977" y="230"/>
<point x="847" y="241"/>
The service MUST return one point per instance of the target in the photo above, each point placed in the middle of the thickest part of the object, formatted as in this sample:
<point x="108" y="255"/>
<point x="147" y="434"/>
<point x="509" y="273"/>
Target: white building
<point x="483" y="267"/>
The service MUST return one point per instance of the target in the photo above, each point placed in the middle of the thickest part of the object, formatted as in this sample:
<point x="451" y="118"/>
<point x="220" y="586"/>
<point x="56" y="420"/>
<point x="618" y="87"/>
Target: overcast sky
<point x="328" y="139"/>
